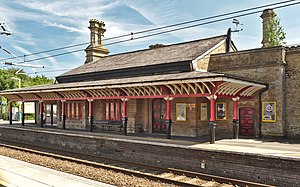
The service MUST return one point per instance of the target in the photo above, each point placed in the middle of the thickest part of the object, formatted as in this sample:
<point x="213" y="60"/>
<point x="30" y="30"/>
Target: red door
<point x="159" y="110"/>
<point x="246" y="122"/>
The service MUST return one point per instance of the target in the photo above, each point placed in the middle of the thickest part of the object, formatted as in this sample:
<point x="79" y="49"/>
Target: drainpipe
<point x="228" y="40"/>
<point x="260" y="109"/>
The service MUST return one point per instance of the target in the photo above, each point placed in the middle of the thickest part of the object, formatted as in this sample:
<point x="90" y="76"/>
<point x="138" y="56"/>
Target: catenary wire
<point x="163" y="32"/>
<point x="151" y="30"/>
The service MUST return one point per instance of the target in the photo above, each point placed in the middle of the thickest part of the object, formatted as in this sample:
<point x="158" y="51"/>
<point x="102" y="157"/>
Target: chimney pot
<point x="266" y="16"/>
<point x="96" y="48"/>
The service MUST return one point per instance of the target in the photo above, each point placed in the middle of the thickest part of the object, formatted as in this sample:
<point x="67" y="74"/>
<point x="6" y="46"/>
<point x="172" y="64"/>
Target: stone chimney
<point x="96" y="48"/>
<point x="266" y="16"/>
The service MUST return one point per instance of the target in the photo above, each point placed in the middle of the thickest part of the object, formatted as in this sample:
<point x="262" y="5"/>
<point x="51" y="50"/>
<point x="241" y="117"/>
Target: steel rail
<point x="178" y="172"/>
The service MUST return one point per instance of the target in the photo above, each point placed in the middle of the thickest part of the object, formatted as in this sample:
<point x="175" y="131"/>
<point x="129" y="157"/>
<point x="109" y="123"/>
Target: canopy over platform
<point x="188" y="84"/>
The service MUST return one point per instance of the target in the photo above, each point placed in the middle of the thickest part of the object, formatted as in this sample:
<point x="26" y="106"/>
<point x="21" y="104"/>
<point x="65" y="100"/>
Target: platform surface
<point x="15" y="173"/>
<point x="278" y="147"/>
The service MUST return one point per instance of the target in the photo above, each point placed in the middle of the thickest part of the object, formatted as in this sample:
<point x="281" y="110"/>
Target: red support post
<point x="124" y="115"/>
<point x="235" y="120"/>
<point x="212" y="123"/>
<point x="42" y="114"/>
<point x="10" y="113"/>
<point x="168" y="117"/>
<point x="23" y="113"/>
<point x="235" y="109"/>
<point x="124" y="105"/>
<point x="212" y="109"/>
<point x="63" y="113"/>
<point x="91" y="114"/>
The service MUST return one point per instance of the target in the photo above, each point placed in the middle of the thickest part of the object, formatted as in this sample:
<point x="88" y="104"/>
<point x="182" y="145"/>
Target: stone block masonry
<point x="266" y="65"/>
<point x="273" y="170"/>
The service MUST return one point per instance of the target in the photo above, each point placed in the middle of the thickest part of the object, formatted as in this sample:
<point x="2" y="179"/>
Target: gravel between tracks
<point x="98" y="174"/>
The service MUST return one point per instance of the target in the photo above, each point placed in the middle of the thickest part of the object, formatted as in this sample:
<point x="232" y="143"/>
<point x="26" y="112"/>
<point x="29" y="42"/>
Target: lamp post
<point x="18" y="79"/>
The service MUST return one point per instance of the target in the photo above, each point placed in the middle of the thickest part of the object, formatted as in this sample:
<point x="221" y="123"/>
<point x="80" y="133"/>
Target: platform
<point x="263" y="146"/>
<point x="19" y="173"/>
<point x="270" y="161"/>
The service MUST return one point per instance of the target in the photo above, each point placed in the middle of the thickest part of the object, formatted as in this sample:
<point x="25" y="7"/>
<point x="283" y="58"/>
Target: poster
<point x="203" y="111"/>
<point x="221" y="111"/>
<point x="269" y="112"/>
<point x="180" y="111"/>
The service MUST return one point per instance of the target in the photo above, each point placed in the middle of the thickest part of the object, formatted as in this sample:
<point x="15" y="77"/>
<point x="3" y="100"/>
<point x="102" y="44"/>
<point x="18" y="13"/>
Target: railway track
<point x="166" y="175"/>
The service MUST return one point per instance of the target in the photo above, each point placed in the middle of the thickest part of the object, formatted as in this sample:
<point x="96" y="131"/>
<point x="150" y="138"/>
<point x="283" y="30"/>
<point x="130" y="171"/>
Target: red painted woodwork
<point x="124" y="108"/>
<point x="235" y="110"/>
<point x="118" y="112"/>
<point x="70" y="110"/>
<point x="168" y="110"/>
<point x="112" y="110"/>
<point x="63" y="108"/>
<point x="80" y="110"/>
<point x="90" y="107"/>
<point x="246" y="122"/>
<point x="107" y="110"/>
<point x="212" y="109"/>
<point x="159" y="114"/>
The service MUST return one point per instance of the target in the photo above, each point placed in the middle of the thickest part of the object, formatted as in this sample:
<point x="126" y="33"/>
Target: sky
<point x="39" y="25"/>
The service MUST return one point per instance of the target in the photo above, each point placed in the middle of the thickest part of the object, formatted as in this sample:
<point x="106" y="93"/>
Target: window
<point x="113" y="110"/>
<point x="74" y="110"/>
<point x="203" y="111"/>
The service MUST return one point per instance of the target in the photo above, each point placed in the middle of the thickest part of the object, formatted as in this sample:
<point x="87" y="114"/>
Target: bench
<point x="108" y="124"/>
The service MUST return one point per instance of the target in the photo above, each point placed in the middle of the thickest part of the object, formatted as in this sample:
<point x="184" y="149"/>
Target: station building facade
<point x="193" y="88"/>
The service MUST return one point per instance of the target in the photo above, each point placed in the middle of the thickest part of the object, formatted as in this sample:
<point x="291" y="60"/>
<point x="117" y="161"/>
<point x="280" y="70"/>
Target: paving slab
<point x="15" y="173"/>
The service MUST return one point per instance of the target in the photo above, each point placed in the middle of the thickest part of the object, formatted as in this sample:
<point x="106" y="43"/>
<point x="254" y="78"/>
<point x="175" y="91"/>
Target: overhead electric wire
<point x="163" y="32"/>
<point x="166" y="31"/>
<point x="151" y="30"/>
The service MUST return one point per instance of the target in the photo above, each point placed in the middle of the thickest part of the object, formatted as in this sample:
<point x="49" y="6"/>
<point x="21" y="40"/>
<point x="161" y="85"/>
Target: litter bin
<point x="19" y="116"/>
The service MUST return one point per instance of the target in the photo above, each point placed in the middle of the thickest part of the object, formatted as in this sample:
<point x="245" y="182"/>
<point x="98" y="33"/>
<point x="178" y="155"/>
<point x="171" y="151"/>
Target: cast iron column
<point x="124" y="115"/>
<point x="90" y="114"/>
<point x="63" y="114"/>
<point x="42" y="114"/>
<point x="10" y="113"/>
<point x="235" y="120"/>
<point x="212" y="123"/>
<point x="23" y="113"/>
<point x="168" y="117"/>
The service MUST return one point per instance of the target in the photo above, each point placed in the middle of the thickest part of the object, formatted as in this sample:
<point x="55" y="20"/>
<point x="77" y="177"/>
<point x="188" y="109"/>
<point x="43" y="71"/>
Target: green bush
<point x="29" y="116"/>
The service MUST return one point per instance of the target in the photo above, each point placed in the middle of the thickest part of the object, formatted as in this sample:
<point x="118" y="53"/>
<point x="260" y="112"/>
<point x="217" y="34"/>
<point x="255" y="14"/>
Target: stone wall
<point x="265" y="65"/>
<point x="202" y="63"/>
<point x="292" y="92"/>
<point x="273" y="170"/>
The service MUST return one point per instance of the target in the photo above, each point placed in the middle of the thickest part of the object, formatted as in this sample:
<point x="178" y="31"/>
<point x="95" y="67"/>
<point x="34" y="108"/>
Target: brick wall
<point x="266" y="65"/>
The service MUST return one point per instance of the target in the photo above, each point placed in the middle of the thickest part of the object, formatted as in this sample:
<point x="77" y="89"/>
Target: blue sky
<point x="39" y="25"/>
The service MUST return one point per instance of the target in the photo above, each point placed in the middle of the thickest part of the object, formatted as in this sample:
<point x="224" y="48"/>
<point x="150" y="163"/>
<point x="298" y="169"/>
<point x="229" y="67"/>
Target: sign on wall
<point x="203" y="111"/>
<point x="269" y="112"/>
<point x="221" y="111"/>
<point x="180" y="111"/>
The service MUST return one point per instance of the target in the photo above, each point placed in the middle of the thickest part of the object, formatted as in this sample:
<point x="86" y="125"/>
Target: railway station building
<point x="196" y="88"/>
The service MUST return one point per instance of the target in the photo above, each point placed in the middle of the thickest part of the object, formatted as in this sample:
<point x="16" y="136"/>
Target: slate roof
<point x="120" y="81"/>
<point x="186" y="51"/>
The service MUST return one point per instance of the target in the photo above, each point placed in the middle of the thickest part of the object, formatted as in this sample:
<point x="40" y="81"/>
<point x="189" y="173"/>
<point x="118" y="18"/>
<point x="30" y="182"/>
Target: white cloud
<point x="68" y="28"/>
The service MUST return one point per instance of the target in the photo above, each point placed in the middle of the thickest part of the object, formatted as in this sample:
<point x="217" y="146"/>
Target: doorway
<point x="246" y="121"/>
<point x="51" y="115"/>
<point x="159" y="111"/>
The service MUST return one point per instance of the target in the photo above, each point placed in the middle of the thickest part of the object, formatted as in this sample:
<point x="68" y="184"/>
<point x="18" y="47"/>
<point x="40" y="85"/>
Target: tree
<point x="275" y="33"/>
